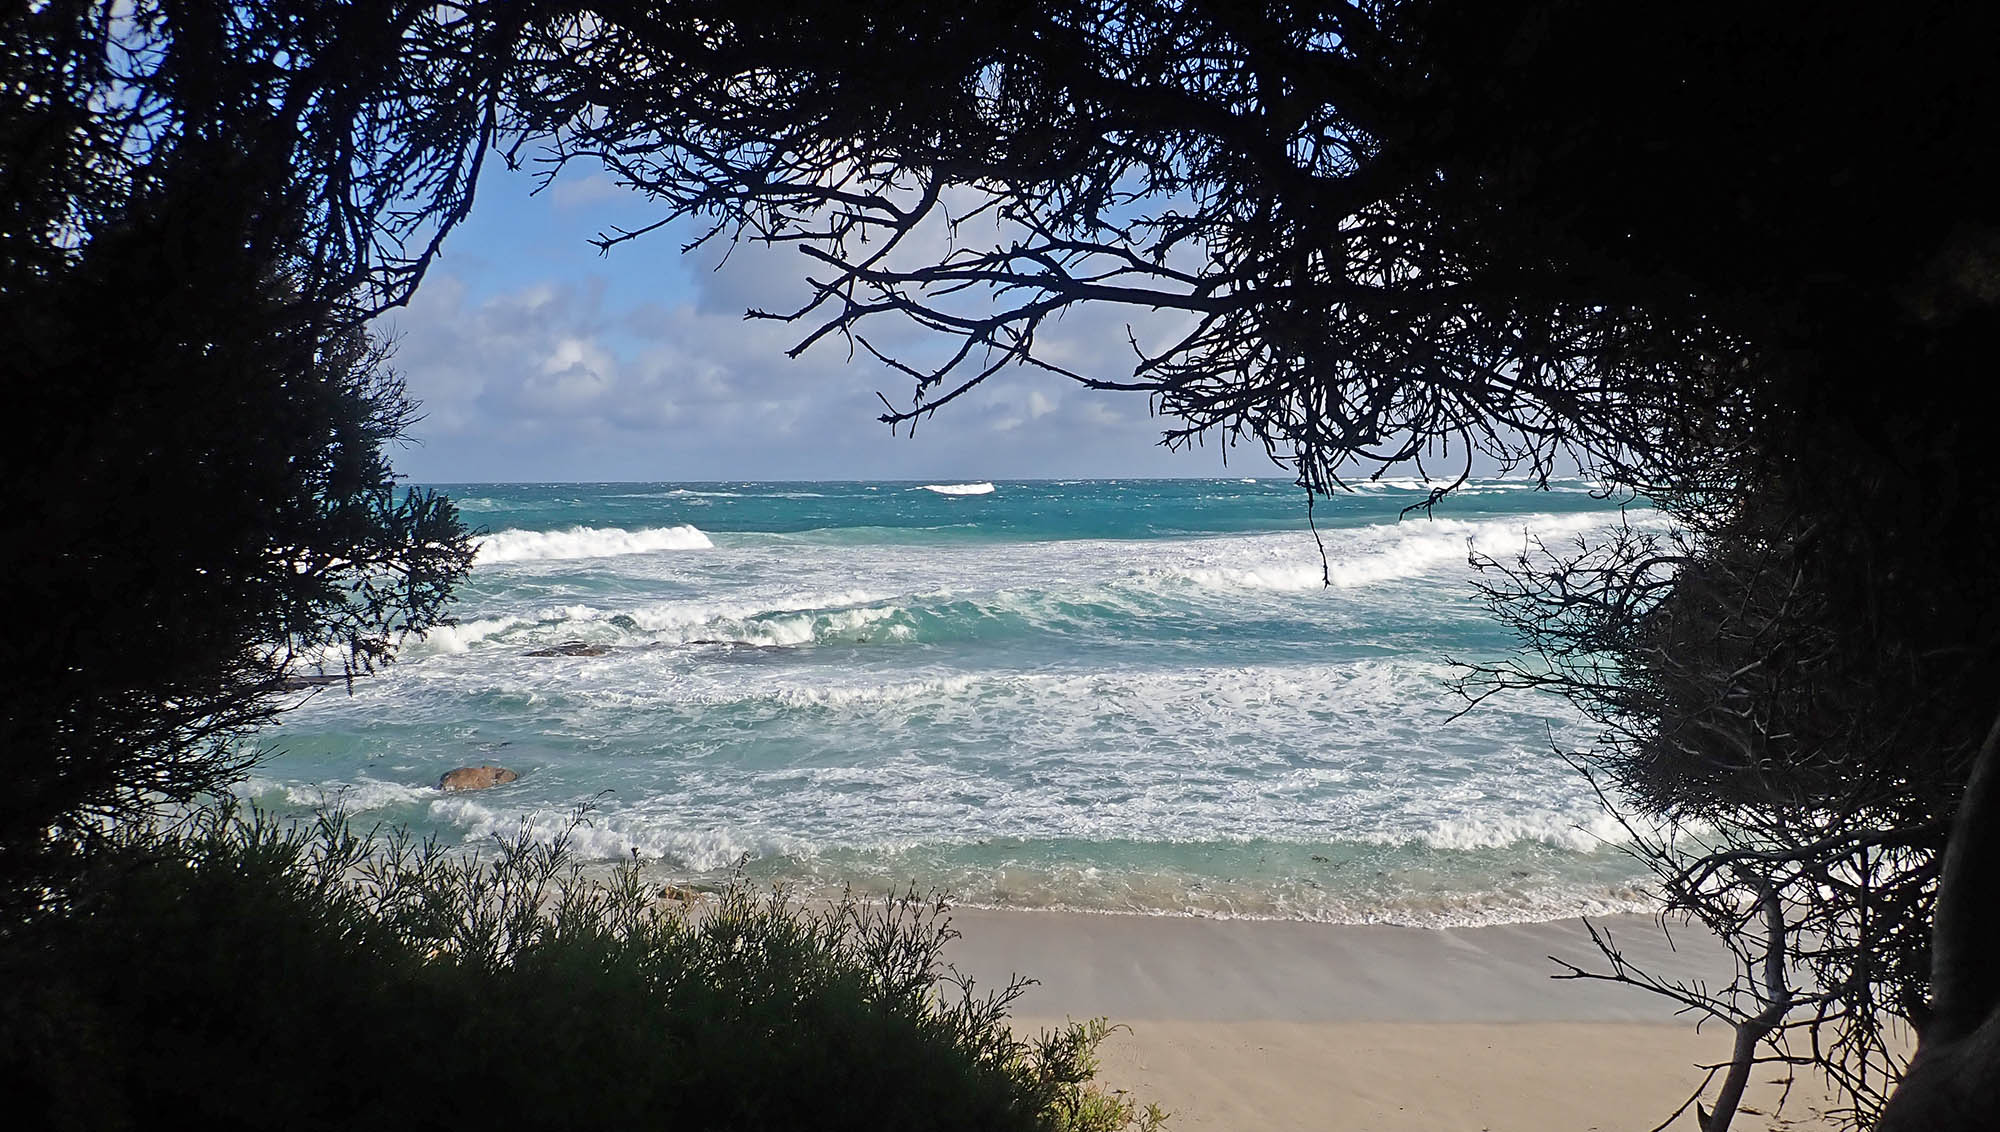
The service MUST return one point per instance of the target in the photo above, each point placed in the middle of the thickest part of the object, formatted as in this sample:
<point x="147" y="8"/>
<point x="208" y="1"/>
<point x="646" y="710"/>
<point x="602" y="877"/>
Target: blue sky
<point x="536" y="359"/>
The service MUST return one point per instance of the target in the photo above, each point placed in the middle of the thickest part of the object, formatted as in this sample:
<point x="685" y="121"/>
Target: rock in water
<point x="475" y="777"/>
<point x="302" y="683"/>
<point x="572" y="648"/>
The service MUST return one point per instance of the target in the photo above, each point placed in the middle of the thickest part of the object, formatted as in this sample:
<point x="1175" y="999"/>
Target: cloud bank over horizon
<point x="538" y="360"/>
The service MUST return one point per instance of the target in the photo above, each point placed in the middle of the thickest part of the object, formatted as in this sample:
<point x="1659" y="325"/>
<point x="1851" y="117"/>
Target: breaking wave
<point x="1113" y="697"/>
<point x="586" y="542"/>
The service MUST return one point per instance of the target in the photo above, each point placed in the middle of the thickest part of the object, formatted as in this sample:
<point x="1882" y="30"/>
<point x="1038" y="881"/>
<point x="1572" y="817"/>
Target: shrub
<point x="237" y="971"/>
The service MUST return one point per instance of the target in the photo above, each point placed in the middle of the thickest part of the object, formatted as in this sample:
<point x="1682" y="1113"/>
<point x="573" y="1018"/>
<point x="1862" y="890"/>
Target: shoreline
<point x="1293" y="1026"/>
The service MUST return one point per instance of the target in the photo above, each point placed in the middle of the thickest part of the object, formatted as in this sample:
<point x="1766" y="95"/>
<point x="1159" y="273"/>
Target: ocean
<point x="1120" y="696"/>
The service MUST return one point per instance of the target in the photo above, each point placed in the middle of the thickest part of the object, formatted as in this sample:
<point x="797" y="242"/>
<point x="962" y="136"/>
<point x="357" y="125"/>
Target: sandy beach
<point x="1284" y="1025"/>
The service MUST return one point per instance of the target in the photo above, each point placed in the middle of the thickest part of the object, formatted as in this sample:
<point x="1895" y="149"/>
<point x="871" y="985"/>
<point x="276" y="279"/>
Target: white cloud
<point x="571" y="193"/>
<point x="573" y="379"/>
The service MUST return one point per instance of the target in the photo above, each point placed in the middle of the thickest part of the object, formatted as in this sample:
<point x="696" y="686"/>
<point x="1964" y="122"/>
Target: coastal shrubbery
<point x="236" y="971"/>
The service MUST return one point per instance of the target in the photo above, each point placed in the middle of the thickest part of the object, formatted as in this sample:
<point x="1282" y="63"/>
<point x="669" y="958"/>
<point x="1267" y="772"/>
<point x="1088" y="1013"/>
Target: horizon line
<point x="961" y="480"/>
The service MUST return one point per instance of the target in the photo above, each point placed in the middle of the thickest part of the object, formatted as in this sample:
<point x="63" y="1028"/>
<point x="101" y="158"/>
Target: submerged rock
<point x="475" y="777"/>
<point x="572" y="648"/>
<point x="301" y="683"/>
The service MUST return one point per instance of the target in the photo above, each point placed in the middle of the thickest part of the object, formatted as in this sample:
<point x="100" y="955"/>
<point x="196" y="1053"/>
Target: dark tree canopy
<point x="1742" y="259"/>
<point x="200" y="204"/>
<point x="1511" y="227"/>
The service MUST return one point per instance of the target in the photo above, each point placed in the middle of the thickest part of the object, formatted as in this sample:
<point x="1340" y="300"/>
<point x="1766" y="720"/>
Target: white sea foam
<point x="904" y="692"/>
<point x="586" y="542"/>
<point x="1579" y="832"/>
<point x="1261" y="879"/>
<point x="356" y="797"/>
<point x="960" y="488"/>
<point x="615" y="836"/>
<point x="1364" y="556"/>
<point x="1560" y="485"/>
<point x="804" y="628"/>
<point x="1397" y="483"/>
<point x="673" y="617"/>
<point x="1442" y="910"/>
<point x="1129" y="724"/>
<point x="461" y="637"/>
<point x="785" y="620"/>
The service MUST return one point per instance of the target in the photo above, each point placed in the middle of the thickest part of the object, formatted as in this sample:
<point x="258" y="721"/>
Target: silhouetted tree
<point x="1791" y="767"/>
<point x="1742" y="259"/>
<point x="200" y="205"/>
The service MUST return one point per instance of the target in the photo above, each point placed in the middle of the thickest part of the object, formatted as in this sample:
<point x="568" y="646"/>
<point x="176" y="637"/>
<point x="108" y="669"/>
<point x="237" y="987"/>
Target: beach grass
<point x="234" y="970"/>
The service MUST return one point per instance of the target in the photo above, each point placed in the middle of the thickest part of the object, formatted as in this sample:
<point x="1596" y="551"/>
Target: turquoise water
<point x="1109" y="695"/>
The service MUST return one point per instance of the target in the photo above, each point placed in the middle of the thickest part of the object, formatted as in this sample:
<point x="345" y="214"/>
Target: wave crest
<point x="586" y="542"/>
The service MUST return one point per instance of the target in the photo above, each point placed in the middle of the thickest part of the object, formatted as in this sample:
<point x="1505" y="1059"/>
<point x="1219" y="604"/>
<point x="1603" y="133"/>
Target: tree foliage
<point x="1270" y="175"/>
<point x="1741" y="259"/>
<point x="201" y="204"/>
<point x="237" y="972"/>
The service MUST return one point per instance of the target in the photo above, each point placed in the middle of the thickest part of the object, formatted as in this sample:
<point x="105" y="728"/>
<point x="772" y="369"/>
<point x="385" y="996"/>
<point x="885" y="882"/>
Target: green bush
<point x="240" y="972"/>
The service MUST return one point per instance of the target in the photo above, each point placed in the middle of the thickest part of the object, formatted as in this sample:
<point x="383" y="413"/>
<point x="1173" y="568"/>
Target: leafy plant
<point x="236" y="971"/>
